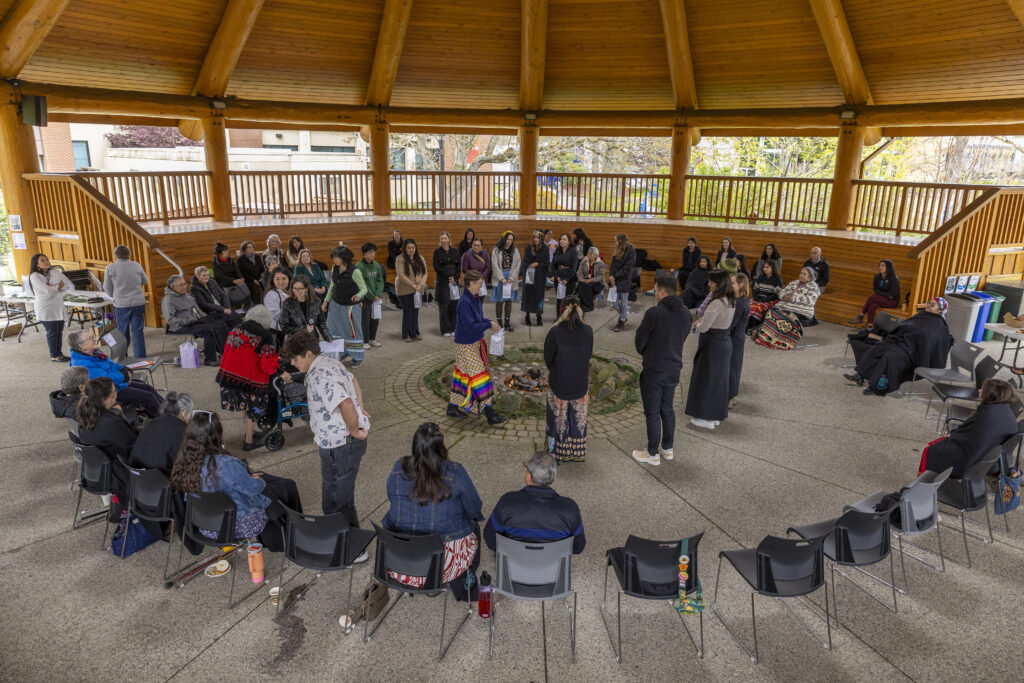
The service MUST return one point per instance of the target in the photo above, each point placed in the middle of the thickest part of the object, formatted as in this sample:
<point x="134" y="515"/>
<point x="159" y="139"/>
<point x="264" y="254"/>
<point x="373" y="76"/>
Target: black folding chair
<point x="649" y="570"/>
<point x="322" y="543"/>
<point x="411" y="555"/>
<point x="216" y="512"/>
<point x="778" y="568"/>
<point x="151" y="499"/>
<point x="96" y="478"/>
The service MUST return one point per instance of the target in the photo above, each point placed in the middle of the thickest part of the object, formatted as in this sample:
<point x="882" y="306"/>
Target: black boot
<point x="540" y="320"/>
<point x="493" y="418"/>
<point x="619" y="326"/>
<point x="855" y="378"/>
<point x="528" y="323"/>
<point x="508" y="325"/>
<point x="453" y="411"/>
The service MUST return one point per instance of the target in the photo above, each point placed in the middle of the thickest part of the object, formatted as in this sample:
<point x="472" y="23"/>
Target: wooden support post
<point x="215" y="141"/>
<point x="851" y="145"/>
<point x="380" y="145"/>
<point x="529" y="137"/>
<point x="682" y="140"/>
<point x="17" y="157"/>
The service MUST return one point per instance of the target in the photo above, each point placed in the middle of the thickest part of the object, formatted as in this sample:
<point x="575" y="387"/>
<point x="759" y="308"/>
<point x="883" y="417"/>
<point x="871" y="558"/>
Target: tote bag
<point x="496" y="346"/>
<point x="453" y="291"/>
<point x="417" y="300"/>
<point x="375" y="310"/>
<point x="188" y="352"/>
<point x="135" y="538"/>
<point x="1008" y="496"/>
<point x="613" y="295"/>
<point x="530" y="274"/>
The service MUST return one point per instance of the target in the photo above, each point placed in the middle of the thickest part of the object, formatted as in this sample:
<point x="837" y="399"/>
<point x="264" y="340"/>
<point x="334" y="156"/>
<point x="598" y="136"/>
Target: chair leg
<point x="721" y="617"/>
<point x="78" y="508"/>
<point x="753" y="624"/>
<point x="167" y="559"/>
<point x="572" y="627"/>
<point x="602" y="609"/>
<point x="490" y="627"/>
<point x="544" y="638"/>
<point x="280" y="586"/>
<point x="835" y="602"/>
<point x="234" y="571"/>
<point x="682" y="620"/>
<point x="469" y="613"/>
<point x="367" y="632"/>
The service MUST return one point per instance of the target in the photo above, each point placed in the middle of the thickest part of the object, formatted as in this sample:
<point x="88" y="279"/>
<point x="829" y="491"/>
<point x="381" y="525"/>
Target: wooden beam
<point x="390" y="40"/>
<point x="222" y="56"/>
<point x="606" y="132"/>
<point x="682" y="140"/>
<point x="533" y="54"/>
<point x="73" y="99"/>
<point x="848" y="154"/>
<point x="529" y="141"/>
<point x="954" y="131"/>
<point x="18" y="156"/>
<point x="680" y="61"/>
<point x="380" y="145"/>
<point x="835" y="32"/>
<point x="23" y="30"/>
<point x="1017" y="7"/>
<point x="455" y="130"/>
<point x="215" y="141"/>
<point x="824" y="132"/>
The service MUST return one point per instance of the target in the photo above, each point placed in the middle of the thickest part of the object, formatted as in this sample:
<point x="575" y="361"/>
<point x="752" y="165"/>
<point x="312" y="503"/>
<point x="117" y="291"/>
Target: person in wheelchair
<point x="85" y="353"/>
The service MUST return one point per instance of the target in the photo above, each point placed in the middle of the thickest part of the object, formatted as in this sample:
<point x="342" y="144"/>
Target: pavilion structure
<point x="855" y="69"/>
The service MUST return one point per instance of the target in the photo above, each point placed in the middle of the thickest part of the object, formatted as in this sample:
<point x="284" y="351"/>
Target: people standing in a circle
<point x="48" y="286"/>
<point x="536" y="263"/>
<point x="564" y="263"/>
<point x="707" y="402"/>
<point x="505" y="265"/>
<point x="447" y="270"/>
<point x="479" y="260"/>
<point x="620" y="276"/>
<point x="410" y="282"/>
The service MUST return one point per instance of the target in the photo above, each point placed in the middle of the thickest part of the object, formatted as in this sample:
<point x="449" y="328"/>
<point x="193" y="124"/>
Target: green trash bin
<point x="993" y="312"/>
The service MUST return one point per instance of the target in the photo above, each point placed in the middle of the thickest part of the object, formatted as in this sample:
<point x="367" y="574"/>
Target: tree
<point x="149" y="136"/>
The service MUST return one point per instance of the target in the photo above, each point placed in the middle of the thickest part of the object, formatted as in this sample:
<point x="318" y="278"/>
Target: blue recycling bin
<point x="986" y="306"/>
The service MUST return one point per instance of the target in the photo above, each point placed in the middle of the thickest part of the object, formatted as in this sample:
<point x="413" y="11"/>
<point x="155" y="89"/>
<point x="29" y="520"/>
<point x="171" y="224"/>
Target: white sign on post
<point x="18" y="240"/>
<point x="14" y="221"/>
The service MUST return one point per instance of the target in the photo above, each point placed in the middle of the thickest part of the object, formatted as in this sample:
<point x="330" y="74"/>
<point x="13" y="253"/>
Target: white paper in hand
<point x="613" y="295"/>
<point x="453" y="291"/>
<point x="417" y="300"/>
<point x="560" y="291"/>
<point x="334" y="346"/>
<point x="375" y="310"/>
<point x="506" y="291"/>
<point x="496" y="346"/>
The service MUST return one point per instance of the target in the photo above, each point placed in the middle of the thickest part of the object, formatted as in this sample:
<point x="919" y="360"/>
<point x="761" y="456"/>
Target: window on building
<point x="343" y="149"/>
<point x="80" y="148"/>
<point x="291" y="148"/>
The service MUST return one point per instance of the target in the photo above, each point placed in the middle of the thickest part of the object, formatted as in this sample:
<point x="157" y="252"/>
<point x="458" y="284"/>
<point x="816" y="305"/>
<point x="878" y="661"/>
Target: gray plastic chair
<point x="119" y="352"/>
<point x="534" y="572"/>
<point x="919" y="515"/>
<point x="986" y="369"/>
<point x="970" y="493"/>
<point x="962" y="358"/>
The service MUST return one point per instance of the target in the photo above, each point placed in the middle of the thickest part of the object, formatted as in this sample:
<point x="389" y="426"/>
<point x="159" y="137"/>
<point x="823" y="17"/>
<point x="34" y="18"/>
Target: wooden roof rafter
<point x="23" y="30"/>
<point x="680" y="57"/>
<point x="222" y="56"/>
<point x="533" y="54"/>
<point x="1017" y="7"/>
<point x="394" y="23"/>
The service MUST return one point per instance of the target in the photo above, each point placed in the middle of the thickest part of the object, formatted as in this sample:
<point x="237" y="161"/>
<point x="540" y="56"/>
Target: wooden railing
<point x="154" y="196"/>
<point x="602" y="194"/>
<point x="919" y="208"/>
<point x="77" y="224"/>
<point x="436" y="192"/>
<point x="286" y="193"/>
<point x="790" y="201"/>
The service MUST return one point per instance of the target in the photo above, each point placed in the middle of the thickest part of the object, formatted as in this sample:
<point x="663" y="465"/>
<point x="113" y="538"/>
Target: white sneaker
<point x="645" y="457"/>
<point x="374" y="342"/>
<point x="666" y="453"/>
<point x="363" y="557"/>
<point x="706" y="424"/>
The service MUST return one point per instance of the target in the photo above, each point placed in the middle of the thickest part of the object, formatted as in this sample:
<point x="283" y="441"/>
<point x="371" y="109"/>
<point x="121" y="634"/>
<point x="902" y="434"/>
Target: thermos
<point x="484" y="599"/>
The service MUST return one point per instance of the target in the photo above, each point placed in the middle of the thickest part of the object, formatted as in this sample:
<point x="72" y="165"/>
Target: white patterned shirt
<point x="328" y="384"/>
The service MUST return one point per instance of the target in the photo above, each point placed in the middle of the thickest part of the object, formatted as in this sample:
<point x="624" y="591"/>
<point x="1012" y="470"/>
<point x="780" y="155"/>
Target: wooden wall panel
<point x="460" y="53"/>
<point x="127" y="45"/>
<point x="309" y="50"/>
<point x="915" y="51"/>
<point x="607" y="55"/>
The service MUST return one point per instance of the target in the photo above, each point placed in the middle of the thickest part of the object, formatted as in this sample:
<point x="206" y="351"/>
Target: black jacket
<point x="622" y="270"/>
<point x="112" y="434"/>
<point x="394" y="251"/>
<point x="567" y="356"/>
<point x="821" y="270"/>
<point x="887" y="287"/>
<point x="989" y="426"/>
<point x="447" y="264"/>
<point x="536" y="514"/>
<point x="696" y="288"/>
<point x="253" y="270"/>
<point x="158" y="444"/>
<point x="64" y="405"/>
<point x="691" y="259"/>
<point x="210" y="298"/>
<point x="564" y="265"/>
<point x="293" y="319"/>
<point x="225" y="273"/>
<point x="660" y="337"/>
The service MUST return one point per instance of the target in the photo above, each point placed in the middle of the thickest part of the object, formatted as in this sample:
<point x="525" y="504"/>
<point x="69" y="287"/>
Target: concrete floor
<point x="801" y="443"/>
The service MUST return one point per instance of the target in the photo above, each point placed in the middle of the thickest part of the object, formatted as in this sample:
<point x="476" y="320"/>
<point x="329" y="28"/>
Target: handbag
<point x="188" y="352"/>
<point x="375" y="598"/>
<point x="506" y="291"/>
<point x="238" y="295"/>
<point x="134" y="538"/>
<point x="453" y="290"/>
<point x="1008" y="496"/>
<point x="613" y="295"/>
<point x="684" y="604"/>
<point x="530" y="275"/>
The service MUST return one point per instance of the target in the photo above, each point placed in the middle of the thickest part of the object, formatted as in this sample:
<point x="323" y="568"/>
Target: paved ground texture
<point x="800" y="444"/>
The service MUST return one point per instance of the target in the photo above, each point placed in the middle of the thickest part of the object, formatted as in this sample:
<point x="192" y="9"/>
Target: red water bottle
<point x="484" y="599"/>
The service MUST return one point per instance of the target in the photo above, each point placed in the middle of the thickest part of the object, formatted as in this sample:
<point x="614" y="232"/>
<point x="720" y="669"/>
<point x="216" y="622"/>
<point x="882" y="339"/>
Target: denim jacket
<point x="452" y="518"/>
<point x="233" y="478"/>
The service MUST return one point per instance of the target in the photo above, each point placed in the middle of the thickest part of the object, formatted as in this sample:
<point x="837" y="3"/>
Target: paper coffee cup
<point x="275" y="593"/>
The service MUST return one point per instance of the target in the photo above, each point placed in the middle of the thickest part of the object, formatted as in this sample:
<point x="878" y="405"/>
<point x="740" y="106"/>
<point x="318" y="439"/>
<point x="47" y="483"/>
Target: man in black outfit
<point x="537" y="514"/>
<point x="820" y="267"/>
<point x="659" y="339"/>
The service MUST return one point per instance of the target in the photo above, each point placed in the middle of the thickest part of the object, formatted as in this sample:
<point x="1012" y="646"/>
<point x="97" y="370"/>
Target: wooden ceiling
<point x="600" y="54"/>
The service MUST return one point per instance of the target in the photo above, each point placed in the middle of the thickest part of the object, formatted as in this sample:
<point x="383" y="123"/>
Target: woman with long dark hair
<point x="410" y="280"/>
<point x="204" y="465"/>
<point x="430" y="494"/>
<point x="295" y="247"/>
<point x="564" y="264"/>
<point x="738" y="333"/>
<point x="252" y="267"/>
<point x="724" y="252"/>
<point x="467" y="241"/>
<point x="101" y="423"/>
<point x="697" y="284"/>
<point x="567" y="350"/>
<point x="447" y="269"/>
<point x="620" y="276"/>
<point x="536" y="261"/>
<point x="280" y="283"/>
<point x="767" y="283"/>
<point x="472" y="386"/>
<point x="302" y="310"/>
<point x="770" y="254"/>
<point x="886" y="293"/>
<point x="344" y="307"/>
<point x="227" y="274"/>
<point x="691" y="254"/>
<point x="707" y="402"/>
<point x="48" y="286"/>
<point x="505" y="266"/>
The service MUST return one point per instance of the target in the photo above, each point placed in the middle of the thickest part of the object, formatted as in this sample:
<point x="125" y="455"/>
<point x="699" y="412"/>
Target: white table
<point x="20" y="306"/>
<point x="1013" y="337"/>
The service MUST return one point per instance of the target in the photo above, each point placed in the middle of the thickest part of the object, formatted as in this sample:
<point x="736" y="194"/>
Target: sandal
<point x="1017" y="371"/>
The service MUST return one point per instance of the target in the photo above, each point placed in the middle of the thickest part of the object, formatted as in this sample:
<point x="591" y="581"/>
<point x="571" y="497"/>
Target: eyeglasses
<point x="202" y="412"/>
<point x="299" y="289"/>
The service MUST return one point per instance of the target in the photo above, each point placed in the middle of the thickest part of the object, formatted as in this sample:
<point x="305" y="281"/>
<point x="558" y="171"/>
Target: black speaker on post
<point x="33" y="110"/>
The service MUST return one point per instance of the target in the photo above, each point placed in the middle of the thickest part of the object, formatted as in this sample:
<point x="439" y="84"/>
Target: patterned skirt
<point x="253" y="404"/>
<point x="567" y="428"/>
<point x="759" y="308"/>
<point x="779" y="331"/>
<point x="458" y="555"/>
<point x="472" y="388"/>
<point x="346" y="322"/>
